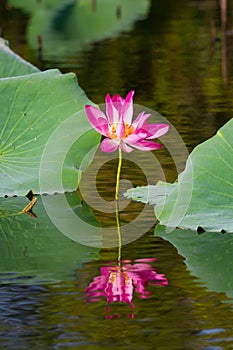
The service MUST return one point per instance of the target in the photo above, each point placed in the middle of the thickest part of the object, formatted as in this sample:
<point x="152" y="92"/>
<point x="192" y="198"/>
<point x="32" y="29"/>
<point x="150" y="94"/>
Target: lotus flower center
<point x="129" y="130"/>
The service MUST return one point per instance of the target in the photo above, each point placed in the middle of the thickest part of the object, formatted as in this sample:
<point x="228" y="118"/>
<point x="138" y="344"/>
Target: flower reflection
<point x="117" y="283"/>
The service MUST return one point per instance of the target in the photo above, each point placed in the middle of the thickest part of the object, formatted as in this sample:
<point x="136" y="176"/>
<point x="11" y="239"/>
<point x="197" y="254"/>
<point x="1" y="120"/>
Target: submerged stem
<point x="118" y="174"/>
<point x="118" y="233"/>
<point x="117" y="205"/>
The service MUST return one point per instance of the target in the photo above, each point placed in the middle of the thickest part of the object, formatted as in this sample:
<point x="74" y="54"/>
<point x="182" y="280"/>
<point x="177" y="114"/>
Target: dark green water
<point x="177" y="56"/>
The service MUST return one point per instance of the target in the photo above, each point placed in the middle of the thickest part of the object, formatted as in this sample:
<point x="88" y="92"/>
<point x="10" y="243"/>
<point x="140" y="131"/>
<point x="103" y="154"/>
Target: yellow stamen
<point x="129" y="129"/>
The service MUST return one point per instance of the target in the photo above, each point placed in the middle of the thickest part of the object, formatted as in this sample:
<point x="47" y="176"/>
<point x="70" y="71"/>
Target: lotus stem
<point x="118" y="174"/>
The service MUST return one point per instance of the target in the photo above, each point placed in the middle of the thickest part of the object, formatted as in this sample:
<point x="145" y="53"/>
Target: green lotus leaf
<point x="12" y="64"/>
<point x="34" y="250"/>
<point x="66" y="27"/>
<point x="42" y="124"/>
<point x="203" y="195"/>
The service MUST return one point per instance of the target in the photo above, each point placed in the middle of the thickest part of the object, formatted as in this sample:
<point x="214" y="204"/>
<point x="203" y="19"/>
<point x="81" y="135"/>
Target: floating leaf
<point x="152" y="194"/>
<point x="36" y="109"/>
<point x="203" y="195"/>
<point x="34" y="250"/>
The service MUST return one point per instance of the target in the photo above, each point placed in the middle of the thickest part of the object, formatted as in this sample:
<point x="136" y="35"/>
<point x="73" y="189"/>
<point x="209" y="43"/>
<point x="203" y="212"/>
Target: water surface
<point x="177" y="56"/>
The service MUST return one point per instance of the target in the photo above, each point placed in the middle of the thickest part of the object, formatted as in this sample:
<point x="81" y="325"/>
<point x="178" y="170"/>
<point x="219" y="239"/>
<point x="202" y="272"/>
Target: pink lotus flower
<point x="116" y="283"/>
<point x="120" y="129"/>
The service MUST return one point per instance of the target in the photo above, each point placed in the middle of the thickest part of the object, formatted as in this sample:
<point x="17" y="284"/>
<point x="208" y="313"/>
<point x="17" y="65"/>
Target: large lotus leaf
<point x="11" y="64"/>
<point x="203" y="195"/>
<point x="42" y="115"/>
<point x="33" y="249"/>
<point x="68" y="27"/>
<point x="151" y="194"/>
<point x="208" y="256"/>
